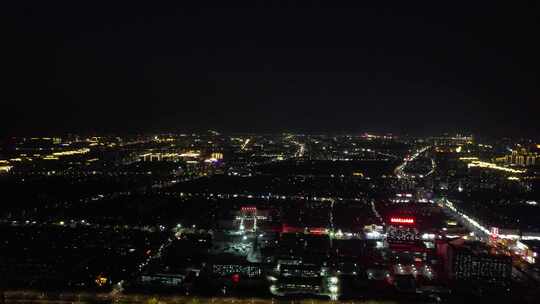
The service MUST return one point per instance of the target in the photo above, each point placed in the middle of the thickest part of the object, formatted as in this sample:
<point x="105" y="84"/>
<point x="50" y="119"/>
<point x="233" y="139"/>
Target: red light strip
<point x="401" y="220"/>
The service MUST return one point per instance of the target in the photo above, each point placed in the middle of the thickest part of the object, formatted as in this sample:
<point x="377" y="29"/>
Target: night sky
<point x="405" y="66"/>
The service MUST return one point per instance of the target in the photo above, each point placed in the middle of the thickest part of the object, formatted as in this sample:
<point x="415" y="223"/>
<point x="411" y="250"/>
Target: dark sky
<point x="403" y="66"/>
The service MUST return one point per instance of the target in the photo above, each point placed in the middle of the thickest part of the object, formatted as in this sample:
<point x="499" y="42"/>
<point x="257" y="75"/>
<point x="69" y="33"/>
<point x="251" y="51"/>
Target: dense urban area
<point x="264" y="218"/>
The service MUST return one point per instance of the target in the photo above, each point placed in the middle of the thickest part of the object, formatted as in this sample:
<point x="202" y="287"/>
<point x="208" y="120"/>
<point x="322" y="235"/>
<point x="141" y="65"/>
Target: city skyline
<point x="270" y="152"/>
<point x="450" y="219"/>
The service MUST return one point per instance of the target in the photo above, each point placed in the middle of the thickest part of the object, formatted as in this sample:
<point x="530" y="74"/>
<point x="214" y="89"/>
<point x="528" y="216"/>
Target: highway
<point x="301" y="149"/>
<point x="399" y="171"/>
<point x="244" y="146"/>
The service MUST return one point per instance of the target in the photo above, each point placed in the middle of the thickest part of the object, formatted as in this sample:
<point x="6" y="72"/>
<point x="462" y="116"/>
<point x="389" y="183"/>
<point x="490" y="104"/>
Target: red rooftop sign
<point x="402" y="220"/>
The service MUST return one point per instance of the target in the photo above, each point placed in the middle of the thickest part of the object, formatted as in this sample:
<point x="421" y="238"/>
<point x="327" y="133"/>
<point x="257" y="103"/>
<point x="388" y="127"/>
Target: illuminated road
<point x="399" y="171"/>
<point x="433" y="167"/>
<point x="69" y="222"/>
<point x="486" y="165"/>
<point x="301" y="149"/>
<point x="471" y="224"/>
<point x="483" y="234"/>
<point x="245" y="144"/>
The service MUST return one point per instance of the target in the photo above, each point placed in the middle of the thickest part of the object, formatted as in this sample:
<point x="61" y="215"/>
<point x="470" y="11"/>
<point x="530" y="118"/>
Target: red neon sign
<point x="402" y="220"/>
<point x="317" y="230"/>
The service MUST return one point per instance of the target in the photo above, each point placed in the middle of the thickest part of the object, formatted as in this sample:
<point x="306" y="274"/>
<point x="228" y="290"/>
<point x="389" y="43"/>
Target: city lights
<point x="309" y="217"/>
<point x="5" y="168"/>
<point x="270" y="152"/>
<point x="481" y="164"/>
<point x="402" y="220"/>
<point x="72" y="152"/>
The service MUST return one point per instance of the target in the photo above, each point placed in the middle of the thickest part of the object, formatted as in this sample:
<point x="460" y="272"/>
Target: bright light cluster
<point x="481" y="164"/>
<point x="5" y="168"/>
<point x="402" y="220"/>
<point x="190" y="154"/>
<point x="72" y="152"/>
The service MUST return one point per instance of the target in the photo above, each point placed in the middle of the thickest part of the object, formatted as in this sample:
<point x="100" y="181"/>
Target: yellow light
<point x="190" y="154"/>
<point x="217" y="155"/>
<point x="5" y="168"/>
<point x="358" y="174"/>
<point x="101" y="280"/>
<point x="481" y="164"/>
<point x="166" y="155"/>
<point x="72" y="152"/>
<point x="468" y="158"/>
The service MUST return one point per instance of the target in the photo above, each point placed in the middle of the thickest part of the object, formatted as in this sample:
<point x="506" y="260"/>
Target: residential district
<point x="210" y="217"/>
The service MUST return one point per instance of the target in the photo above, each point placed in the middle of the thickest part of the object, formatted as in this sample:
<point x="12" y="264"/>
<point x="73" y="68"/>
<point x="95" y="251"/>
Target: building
<point x="249" y="218"/>
<point x="230" y="268"/>
<point x="297" y="276"/>
<point x="450" y="141"/>
<point x="217" y="155"/>
<point x="475" y="262"/>
<point x="173" y="156"/>
<point x="524" y="157"/>
<point x="162" y="279"/>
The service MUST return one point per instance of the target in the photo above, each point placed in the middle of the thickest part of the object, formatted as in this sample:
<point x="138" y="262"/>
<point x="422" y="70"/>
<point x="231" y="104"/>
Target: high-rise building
<point x="524" y="157"/>
<point x="475" y="262"/>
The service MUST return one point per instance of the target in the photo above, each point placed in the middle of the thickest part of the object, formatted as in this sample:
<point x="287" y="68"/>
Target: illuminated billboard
<point x="402" y="220"/>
